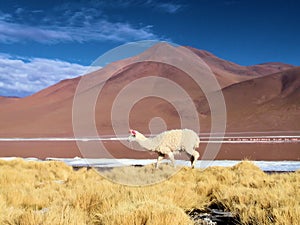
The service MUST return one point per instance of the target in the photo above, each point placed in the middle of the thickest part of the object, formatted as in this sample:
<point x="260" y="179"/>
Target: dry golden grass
<point x="53" y="193"/>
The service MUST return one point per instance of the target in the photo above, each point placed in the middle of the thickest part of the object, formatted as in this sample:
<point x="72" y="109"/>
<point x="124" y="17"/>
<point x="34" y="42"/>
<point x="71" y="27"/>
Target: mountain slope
<point x="256" y="70"/>
<point x="51" y="109"/>
<point x="255" y="101"/>
<point x="7" y="100"/>
<point x="266" y="103"/>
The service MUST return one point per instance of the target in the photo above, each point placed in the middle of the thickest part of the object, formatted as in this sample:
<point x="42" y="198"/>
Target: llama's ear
<point x="132" y="132"/>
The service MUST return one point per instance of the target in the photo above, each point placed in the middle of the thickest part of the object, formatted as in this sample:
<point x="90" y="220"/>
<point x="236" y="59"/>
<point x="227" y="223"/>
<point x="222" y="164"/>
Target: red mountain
<point x="258" y="98"/>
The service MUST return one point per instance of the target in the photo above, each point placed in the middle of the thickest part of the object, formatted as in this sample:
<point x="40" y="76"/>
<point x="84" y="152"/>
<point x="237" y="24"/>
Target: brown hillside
<point x="254" y="102"/>
<point x="265" y="104"/>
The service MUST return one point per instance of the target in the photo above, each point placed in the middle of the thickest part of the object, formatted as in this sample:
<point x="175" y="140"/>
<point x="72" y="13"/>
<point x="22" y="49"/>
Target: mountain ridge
<point x="253" y="70"/>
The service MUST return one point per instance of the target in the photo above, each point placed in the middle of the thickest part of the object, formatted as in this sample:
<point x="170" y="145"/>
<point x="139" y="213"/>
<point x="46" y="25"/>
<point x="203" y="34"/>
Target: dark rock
<point x="213" y="217"/>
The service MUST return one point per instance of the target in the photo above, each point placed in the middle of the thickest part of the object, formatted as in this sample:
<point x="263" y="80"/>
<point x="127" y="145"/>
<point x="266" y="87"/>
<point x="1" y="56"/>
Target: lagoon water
<point x="279" y="166"/>
<point x="287" y="138"/>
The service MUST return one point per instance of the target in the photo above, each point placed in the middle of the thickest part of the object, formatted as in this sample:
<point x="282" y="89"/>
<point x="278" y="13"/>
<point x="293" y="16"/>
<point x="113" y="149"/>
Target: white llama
<point x="169" y="143"/>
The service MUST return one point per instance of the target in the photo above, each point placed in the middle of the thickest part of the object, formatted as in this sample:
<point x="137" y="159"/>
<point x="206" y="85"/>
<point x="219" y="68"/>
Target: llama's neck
<point x="145" y="142"/>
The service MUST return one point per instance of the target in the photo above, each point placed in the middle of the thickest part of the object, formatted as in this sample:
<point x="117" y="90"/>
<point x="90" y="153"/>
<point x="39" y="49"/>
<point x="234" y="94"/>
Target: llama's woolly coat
<point x="170" y="141"/>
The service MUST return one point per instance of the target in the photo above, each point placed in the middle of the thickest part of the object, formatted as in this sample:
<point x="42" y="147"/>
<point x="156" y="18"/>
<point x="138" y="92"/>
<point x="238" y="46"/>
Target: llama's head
<point x="132" y="136"/>
<point x="135" y="136"/>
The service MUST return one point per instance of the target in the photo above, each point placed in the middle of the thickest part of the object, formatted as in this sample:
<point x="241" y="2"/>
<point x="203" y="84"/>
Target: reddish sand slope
<point x="7" y="100"/>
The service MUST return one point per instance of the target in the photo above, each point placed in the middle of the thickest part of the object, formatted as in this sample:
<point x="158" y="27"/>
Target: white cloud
<point x="163" y="6"/>
<point x="20" y="76"/>
<point x="169" y="7"/>
<point x="166" y="7"/>
<point x="78" y="22"/>
<point x="80" y="26"/>
<point x="13" y="32"/>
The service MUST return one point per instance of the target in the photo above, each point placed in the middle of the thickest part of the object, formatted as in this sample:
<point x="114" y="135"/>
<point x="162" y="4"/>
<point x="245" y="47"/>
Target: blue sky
<point x="42" y="42"/>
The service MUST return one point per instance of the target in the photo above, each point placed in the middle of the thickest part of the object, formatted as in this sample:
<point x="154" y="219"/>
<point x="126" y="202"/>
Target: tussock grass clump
<point x="135" y="175"/>
<point x="53" y="193"/>
<point x="144" y="213"/>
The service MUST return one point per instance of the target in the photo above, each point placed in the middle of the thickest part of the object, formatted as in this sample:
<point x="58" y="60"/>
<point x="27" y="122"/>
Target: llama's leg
<point x="159" y="158"/>
<point x="171" y="156"/>
<point x="194" y="157"/>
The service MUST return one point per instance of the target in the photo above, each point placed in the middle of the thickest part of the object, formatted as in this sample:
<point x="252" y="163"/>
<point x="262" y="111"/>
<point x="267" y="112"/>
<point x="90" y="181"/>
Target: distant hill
<point x="262" y="97"/>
